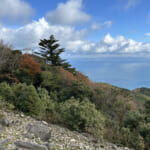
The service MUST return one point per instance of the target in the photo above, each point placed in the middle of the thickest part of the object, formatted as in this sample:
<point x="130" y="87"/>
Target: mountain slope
<point x="16" y="135"/>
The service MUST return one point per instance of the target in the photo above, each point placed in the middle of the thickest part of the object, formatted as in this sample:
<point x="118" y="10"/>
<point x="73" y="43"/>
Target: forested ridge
<point x="47" y="87"/>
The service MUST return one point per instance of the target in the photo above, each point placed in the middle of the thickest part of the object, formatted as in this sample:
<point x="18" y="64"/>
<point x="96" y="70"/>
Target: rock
<point x="22" y="115"/>
<point x="4" y="142"/>
<point x="1" y="127"/>
<point x="4" y="122"/>
<point x="45" y="123"/>
<point x="48" y="146"/>
<point x="40" y="130"/>
<point x="29" y="145"/>
<point x="72" y="140"/>
<point x="2" y="148"/>
<point x="59" y="138"/>
<point x="114" y="147"/>
<point x="29" y="135"/>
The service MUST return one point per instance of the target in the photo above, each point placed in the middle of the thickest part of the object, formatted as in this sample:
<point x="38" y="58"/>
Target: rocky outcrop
<point x="20" y="132"/>
<point x="4" y="122"/>
<point x="28" y="145"/>
<point x="40" y="130"/>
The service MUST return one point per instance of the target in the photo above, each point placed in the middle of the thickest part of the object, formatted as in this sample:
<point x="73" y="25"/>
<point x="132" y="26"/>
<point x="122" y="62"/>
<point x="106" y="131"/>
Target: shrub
<point x="9" y="59"/>
<point x="30" y="64"/>
<point x="144" y="130"/>
<point x="5" y="105"/>
<point x="82" y="116"/>
<point x="133" y="119"/>
<point x="147" y="107"/>
<point x="27" y="99"/>
<point x="50" y="80"/>
<point x="78" y="90"/>
<point x="6" y="92"/>
<point x="23" y="76"/>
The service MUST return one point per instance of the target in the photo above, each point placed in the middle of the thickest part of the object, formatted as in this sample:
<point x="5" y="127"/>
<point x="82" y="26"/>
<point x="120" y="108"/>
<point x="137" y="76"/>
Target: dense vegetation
<point x="46" y="87"/>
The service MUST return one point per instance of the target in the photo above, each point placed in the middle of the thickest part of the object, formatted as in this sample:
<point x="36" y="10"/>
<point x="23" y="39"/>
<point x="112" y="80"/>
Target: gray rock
<point x="29" y="145"/>
<point x="48" y="146"/>
<point x="4" y="122"/>
<point x="29" y="135"/>
<point x="114" y="147"/>
<point x="2" y="148"/>
<point x="40" y="130"/>
<point x="4" y="142"/>
<point x="1" y="127"/>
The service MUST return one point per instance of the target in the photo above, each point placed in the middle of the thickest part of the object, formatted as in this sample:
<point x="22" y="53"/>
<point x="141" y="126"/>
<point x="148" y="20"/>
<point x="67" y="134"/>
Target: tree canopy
<point x="50" y="51"/>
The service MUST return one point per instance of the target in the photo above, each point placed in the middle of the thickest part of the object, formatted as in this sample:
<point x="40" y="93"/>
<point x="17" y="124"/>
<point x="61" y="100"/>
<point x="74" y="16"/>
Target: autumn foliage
<point x="67" y="77"/>
<point x="81" y="77"/>
<point x="27" y="62"/>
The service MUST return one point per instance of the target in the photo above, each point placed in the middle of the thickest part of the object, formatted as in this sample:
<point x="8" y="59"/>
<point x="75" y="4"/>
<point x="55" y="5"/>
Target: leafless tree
<point x="9" y="59"/>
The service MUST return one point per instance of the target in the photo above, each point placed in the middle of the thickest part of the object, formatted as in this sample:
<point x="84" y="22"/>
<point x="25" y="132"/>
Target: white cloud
<point x="69" y="13"/>
<point x="14" y="10"/>
<point x="109" y="45"/>
<point x="147" y="34"/>
<point x="108" y="24"/>
<point x="98" y="26"/>
<point x="131" y="4"/>
<point x="29" y="35"/>
<point x="74" y="41"/>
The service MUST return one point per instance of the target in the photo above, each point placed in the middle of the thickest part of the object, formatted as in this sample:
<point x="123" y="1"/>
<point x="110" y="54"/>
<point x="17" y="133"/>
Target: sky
<point x="108" y="40"/>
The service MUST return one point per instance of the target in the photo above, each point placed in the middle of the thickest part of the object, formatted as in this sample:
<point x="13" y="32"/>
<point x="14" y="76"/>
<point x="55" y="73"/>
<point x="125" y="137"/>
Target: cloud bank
<point x="131" y="4"/>
<point x="62" y="23"/>
<point x="69" y="13"/>
<point x="12" y="11"/>
<point x="73" y="40"/>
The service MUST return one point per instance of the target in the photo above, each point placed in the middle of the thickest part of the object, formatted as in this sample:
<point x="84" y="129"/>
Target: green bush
<point x="133" y="119"/>
<point x="23" y="76"/>
<point x="78" y="90"/>
<point x="82" y="116"/>
<point x="131" y="139"/>
<point x="6" y="92"/>
<point x="50" y="80"/>
<point x="27" y="99"/>
<point x="4" y="105"/>
<point x="145" y="133"/>
<point x="147" y="107"/>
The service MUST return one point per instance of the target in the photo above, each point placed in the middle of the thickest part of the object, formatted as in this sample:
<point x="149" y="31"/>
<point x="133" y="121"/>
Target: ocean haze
<point x="125" y="72"/>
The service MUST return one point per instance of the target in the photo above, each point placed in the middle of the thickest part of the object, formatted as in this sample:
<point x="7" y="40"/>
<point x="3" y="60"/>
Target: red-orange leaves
<point x="30" y="64"/>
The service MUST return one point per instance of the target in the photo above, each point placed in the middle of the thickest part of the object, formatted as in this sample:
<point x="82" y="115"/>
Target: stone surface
<point x="4" y="142"/>
<point x="40" y="130"/>
<point x="1" y="127"/>
<point x="60" y="139"/>
<point x="4" y="122"/>
<point x="29" y="145"/>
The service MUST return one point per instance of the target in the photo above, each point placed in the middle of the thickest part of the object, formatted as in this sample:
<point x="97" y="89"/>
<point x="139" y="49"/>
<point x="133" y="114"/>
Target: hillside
<point x="142" y="94"/>
<point x="46" y="87"/>
<point x="19" y="131"/>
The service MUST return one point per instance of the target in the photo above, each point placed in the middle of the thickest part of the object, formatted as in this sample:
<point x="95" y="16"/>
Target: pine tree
<point x="50" y="51"/>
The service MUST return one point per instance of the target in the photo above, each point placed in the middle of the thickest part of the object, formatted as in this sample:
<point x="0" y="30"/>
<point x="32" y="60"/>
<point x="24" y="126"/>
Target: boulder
<point x="29" y="145"/>
<point x="2" y="143"/>
<point x="40" y="130"/>
<point x="4" y="122"/>
<point x="1" y="127"/>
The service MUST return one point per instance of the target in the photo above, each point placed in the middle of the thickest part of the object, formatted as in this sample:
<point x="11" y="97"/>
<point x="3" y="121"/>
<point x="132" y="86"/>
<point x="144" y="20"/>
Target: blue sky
<point x="108" y="40"/>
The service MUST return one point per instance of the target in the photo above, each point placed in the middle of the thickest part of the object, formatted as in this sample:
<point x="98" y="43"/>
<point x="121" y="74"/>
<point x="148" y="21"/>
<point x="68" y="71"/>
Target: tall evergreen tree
<point x="50" y="51"/>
